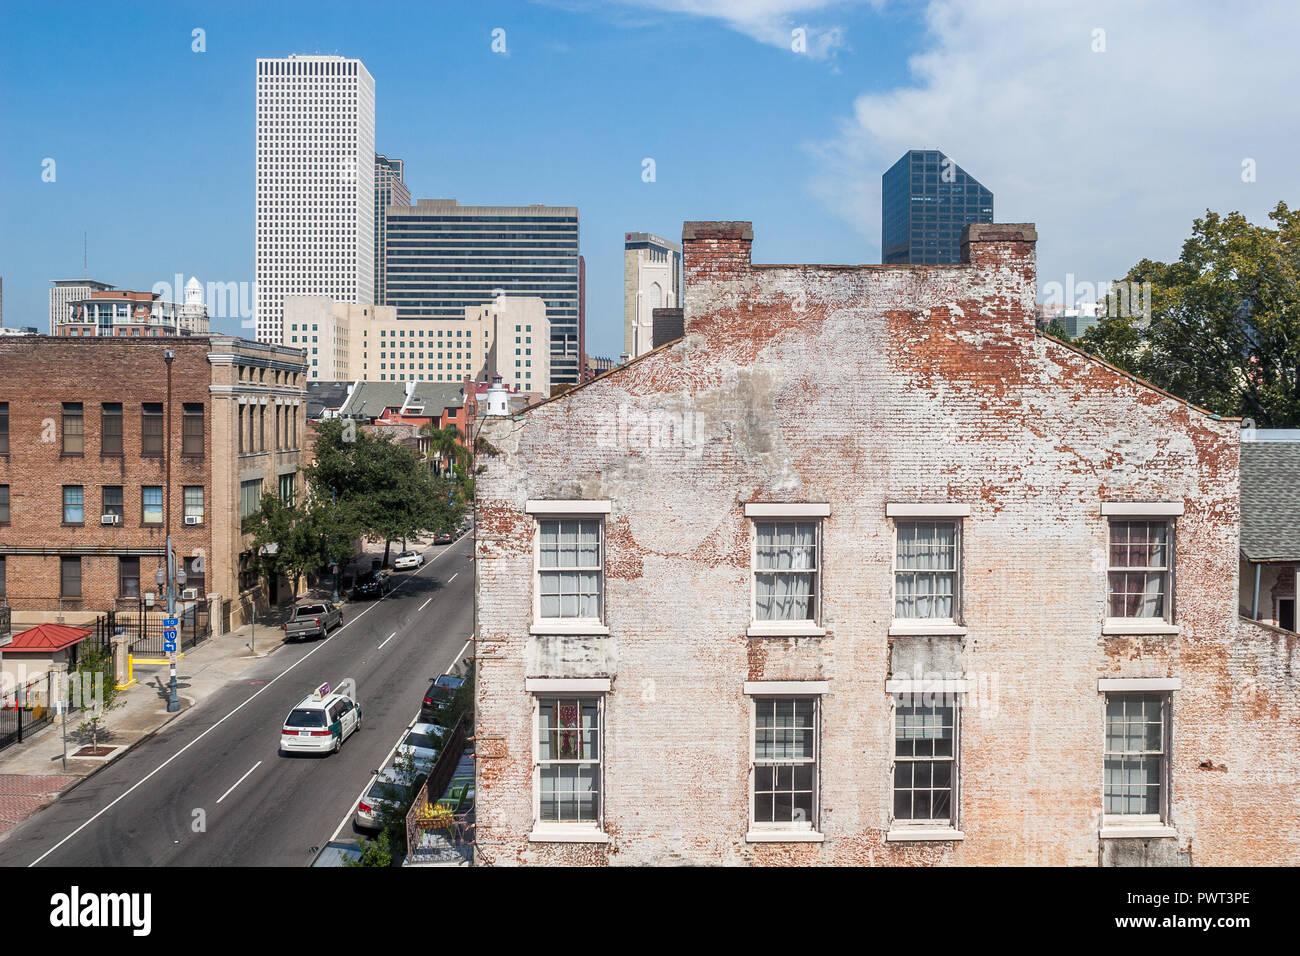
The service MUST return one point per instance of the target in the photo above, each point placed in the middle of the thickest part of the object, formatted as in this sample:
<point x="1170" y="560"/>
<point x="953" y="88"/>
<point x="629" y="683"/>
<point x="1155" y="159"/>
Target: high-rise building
<point x="390" y="190"/>
<point x="926" y="199"/>
<point x="315" y="184"/>
<point x="443" y="257"/>
<point x="68" y="291"/>
<point x="346" y="341"/>
<point x="652" y="279"/>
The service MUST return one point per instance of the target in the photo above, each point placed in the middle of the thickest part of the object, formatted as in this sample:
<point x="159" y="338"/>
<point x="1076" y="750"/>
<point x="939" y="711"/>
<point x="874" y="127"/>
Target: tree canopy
<point x="1224" y="325"/>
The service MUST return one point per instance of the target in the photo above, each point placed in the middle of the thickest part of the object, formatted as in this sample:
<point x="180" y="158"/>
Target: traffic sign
<point x="169" y="634"/>
<point x="169" y="647"/>
<point x="171" y="622"/>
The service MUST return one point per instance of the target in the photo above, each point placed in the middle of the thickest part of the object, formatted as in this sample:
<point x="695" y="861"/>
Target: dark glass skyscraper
<point x="926" y="199"/>
<point x="443" y="256"/>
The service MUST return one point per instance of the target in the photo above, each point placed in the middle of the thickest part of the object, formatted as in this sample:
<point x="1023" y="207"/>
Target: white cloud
<point x="772" y="22"/>
<point x="1111" y="153"/>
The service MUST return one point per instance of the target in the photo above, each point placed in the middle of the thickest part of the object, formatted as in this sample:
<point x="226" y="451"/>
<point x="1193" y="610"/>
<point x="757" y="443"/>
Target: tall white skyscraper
<point x="315" y="184"/>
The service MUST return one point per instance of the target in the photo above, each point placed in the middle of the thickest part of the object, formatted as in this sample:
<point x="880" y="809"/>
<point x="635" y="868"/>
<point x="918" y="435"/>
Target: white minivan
<point x="321" y="722"/>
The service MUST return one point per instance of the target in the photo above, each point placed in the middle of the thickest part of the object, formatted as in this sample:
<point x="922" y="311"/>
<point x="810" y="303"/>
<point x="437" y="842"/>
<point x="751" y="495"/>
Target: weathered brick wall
<point x="858" y="387"/>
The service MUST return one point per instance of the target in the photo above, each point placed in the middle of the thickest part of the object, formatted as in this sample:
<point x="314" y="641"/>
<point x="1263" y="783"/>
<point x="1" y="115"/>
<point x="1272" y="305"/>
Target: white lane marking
<point x="239" y="781"/>
<point x="423" y="606"/>
<point x="265" y="687"/>
<point x="453" y="577"/>
<point x="348" y="816"/>
<point x="386" y="640"/>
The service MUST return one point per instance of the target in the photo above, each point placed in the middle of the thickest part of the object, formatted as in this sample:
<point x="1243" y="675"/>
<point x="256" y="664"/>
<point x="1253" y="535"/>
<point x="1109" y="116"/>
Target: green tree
<point x="384" y="487"/>
<point x="1223" y="329"/>
<point x="286" y="541"/>
<point x="444" y="446"/>
<point x="94" y="685"/>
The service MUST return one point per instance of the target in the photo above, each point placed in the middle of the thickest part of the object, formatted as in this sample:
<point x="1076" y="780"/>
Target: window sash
<point x="4" y="428"/>
<point x="784" y="771"/>
<point x="570" y="560"/>
<point x="151" y="429"/>
<point x="4" y="503"/>
<point x="128" y="577"/>
<point x="74" y="504"/>
<point x="926" y="558"/>
<point x="1138" y="578"/>
<point x="74" y="429"/>
<point x="1134" y="756"/>
<point x="192" y="430"/>
<point x="786" y="568"/>
<point x="193" y="501"/>
<point x="151" y="504"/>
<point x="925" y="762"/>
<point x="568" y="763"/>
<point x="110" y="429"/>
<point x="111" y="501"/>
<point x="70" y="577"/>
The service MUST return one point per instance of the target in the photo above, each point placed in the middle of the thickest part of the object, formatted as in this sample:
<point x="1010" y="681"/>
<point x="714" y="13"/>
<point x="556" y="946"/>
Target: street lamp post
<point x="173" y="700"/>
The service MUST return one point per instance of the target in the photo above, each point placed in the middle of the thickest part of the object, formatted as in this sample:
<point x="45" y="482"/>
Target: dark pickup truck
<point x="313" y="620"/>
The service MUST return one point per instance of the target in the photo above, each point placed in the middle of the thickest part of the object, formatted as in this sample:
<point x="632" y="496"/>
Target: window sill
<point x="546" y="835"/>
<point x="784" y="836"/>
<point x="924" y="834"/>
<point x="1123" y="625"/>
<point x="784" y="629"/>
<point x="1136" y="832"/>
<point x="570" y="627"/>
<point x="920" y="628"/>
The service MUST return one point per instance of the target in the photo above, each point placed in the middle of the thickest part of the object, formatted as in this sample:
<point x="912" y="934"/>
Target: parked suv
<point x="439" y="696"/>
<point x="374" y="585"/>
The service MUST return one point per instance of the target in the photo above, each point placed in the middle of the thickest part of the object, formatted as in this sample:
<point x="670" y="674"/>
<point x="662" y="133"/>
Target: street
<point x="211" y="789"/>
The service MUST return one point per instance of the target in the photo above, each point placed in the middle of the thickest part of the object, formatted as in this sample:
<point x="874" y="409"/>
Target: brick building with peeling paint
<point x="866" y="570"/>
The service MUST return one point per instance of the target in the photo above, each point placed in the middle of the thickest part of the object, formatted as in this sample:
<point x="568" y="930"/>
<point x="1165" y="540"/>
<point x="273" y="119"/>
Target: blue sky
<point x="1112" y="152"/>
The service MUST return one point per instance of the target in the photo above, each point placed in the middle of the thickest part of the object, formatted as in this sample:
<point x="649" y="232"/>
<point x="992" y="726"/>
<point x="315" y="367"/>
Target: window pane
<point x="924" y="747"/>
<point x="74" y="504"/>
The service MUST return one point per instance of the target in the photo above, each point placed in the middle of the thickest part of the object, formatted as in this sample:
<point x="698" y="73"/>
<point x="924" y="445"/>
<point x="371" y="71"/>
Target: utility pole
<point x="173" y="700"/>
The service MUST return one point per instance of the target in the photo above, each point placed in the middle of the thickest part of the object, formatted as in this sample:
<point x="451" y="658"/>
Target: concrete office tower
<point x="443" y="257"/>
<point x="390" y="190"/>
<point x="652" y="279"/>
<point x="926" y="200"/>
<point x="66" y="292"/>
<point x="315" y="184"/>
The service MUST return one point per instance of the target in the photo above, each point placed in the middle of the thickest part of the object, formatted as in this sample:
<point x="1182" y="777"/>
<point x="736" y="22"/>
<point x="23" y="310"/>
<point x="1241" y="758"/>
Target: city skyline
<point x="872" y="82"/>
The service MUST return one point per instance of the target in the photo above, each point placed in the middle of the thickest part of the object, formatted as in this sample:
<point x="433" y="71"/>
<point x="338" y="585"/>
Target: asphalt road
<point x="258" y="808"/>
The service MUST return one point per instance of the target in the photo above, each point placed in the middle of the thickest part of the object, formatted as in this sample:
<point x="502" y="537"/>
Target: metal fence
<point x="26" y="709"/>
<point x="143" y="626"/>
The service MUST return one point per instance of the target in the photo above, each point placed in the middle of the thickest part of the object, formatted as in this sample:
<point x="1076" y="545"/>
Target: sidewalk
<point x="32" y="773"/>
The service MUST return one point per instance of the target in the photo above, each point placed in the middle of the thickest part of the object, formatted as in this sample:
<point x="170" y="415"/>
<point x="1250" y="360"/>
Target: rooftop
<point x="1270" y="500"/>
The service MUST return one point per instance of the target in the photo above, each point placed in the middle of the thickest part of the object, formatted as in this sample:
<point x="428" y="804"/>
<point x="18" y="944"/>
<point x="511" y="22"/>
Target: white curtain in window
<point x="783" y="588"/>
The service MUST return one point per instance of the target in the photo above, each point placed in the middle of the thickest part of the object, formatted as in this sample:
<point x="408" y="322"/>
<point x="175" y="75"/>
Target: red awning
<point x="46" y="639"/>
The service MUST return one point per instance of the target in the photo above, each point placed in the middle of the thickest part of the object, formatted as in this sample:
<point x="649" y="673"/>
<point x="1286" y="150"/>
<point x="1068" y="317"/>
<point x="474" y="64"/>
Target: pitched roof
<point x="323" y="395"/>
<point x="46" y="639"/>
<point x="1270" y="500"/>
<point x="369" y="399"/>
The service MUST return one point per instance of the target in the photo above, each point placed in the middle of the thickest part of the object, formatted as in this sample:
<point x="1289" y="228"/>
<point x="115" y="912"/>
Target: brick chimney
<point x="715" y="250"/>
<point x="994" y="243"/>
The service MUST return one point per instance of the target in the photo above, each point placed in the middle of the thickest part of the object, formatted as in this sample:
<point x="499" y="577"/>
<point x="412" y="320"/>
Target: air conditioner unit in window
<point x="110" y="519"/>
<point x="190" y="594"/>
<point x="194" y="519"/>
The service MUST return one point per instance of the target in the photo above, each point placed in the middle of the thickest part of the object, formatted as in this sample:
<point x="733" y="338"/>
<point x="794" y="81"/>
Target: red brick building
<point x="866" y="570"/>
<point x="85" y="506"/>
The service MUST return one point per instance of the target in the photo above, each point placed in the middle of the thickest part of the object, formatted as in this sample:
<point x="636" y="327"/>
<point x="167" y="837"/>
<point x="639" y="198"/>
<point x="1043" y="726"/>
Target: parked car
<point x="321" y="722"/>
<point x="439" y="697"/>
<point x="422" y="744"/>
<point x="447" y="537"/>
<point x="389" y="788"/>
<point x="407" y="560"/>
<point x="373" y="585"/>
<point x="312" y="620"/>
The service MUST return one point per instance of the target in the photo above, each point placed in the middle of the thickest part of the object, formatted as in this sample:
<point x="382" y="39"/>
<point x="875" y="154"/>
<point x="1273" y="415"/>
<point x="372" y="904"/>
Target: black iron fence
<point x="143" y="626"/>
<point x="26" y="708"/>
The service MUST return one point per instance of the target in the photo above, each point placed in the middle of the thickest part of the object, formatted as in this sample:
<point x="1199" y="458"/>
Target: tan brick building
<point x="866" y="570"/>
<point x="85" y="506"/>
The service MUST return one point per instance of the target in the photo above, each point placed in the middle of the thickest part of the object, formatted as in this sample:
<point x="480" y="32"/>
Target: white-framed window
<point x="567" y="785"/>
<point x="1136" y="758"/>
<point x="926" y="558"/>
<point x="570" y="568"/>
<point x="786" y="567"/>
<point x="1140" y="569"/>
<point x="784" y="756"/>
<point x="925" y="760"/>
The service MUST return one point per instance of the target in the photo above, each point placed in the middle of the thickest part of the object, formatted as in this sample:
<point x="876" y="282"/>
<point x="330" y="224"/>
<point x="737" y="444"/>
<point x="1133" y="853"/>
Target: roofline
<point x="1140" y="381"/>
<point x="617" y="368"/>
<point x="1249" y="560"/>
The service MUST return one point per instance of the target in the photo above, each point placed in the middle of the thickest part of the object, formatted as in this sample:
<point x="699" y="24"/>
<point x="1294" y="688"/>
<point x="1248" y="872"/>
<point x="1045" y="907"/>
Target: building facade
<point x="865" y="570"/>
<point x="315" y="214"/>
<point x="123" y="313"/>
<point x="349" y="342"/>
<point x="85" y="506"/>
<point x="652" y="279"/>
<point x="67" y="291"/>
<point x="444" y="257"/>
<point x="390" y="190"/>
<point x="1270" y="526"/>
<point x="926" y="200"/>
